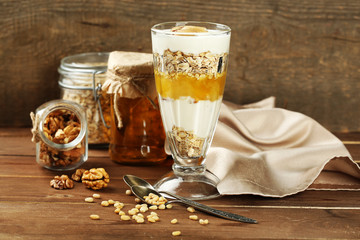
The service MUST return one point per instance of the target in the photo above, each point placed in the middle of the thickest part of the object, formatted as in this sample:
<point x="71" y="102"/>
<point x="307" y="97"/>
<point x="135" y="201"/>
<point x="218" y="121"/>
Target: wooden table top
<point x="31" y="209"/>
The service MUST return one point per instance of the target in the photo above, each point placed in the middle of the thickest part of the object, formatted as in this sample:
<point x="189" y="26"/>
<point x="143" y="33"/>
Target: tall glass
<point x="190" y="65"/>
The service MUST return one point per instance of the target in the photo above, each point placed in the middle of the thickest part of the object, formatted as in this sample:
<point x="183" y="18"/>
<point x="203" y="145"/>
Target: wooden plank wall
<point x="305" y="53"/>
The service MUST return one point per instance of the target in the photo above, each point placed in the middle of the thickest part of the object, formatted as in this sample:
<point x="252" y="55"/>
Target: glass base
<point x="199" y="186"/>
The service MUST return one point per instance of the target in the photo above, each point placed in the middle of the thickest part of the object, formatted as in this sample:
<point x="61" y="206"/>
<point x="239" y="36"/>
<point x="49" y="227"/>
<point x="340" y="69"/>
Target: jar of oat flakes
<point x="60" y="133"/>
<point x="81" y="77"/>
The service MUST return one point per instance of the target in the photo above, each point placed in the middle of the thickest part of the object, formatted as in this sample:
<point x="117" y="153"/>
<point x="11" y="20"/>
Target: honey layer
<point x="203" y="87"/>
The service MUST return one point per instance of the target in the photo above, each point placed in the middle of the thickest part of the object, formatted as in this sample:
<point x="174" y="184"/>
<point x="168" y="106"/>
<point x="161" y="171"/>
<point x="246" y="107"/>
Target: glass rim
<point x="224" y="29"/>
<point x="74" y="107"/>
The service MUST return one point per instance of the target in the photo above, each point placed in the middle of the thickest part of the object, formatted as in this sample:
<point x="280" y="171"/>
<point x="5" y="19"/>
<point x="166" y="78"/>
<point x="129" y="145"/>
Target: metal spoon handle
<point x="211" y="210"/>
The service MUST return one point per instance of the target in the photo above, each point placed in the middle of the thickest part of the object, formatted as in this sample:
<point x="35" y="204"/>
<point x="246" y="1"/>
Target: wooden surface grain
<point x="31" y="209"/>
<point x="305" y="53"/>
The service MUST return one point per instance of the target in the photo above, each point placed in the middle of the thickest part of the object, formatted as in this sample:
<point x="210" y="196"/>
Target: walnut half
<point x="62" y="182"/>
<point x="95" y="178"/>
<point x="77" y="175"/>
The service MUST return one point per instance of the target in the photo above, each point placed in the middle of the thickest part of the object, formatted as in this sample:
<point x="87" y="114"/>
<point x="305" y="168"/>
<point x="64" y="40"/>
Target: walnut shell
<point x="95" y="178"/>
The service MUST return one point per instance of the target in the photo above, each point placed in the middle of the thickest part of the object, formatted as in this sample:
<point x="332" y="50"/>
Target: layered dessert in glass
<point x="190" y="65"/>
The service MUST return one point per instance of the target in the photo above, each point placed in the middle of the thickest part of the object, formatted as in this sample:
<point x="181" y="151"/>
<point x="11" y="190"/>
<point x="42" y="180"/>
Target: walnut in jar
<point x="59" y="131"/>
<point x="61" y="127"/>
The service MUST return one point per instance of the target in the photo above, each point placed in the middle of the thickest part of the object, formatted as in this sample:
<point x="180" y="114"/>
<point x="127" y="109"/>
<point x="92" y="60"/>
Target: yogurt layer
<point x="200" y="117"/>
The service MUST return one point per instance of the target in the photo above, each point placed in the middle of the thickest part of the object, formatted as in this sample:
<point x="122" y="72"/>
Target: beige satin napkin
<point x="262" y="150"/>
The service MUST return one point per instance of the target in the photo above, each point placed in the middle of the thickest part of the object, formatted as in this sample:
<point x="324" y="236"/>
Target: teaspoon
<point x="132" y="180"/>
<point x="142" y="191"/>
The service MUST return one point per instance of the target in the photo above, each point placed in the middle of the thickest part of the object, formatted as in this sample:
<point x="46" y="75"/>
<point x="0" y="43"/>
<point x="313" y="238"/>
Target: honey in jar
<point x="136" y="134"/>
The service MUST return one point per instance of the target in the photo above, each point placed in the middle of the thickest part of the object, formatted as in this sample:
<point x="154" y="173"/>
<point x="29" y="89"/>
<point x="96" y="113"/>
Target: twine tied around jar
<point x="35" y="130"/>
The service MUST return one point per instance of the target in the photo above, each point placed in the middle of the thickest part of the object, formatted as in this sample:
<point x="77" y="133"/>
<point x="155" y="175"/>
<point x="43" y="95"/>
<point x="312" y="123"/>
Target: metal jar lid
<point x="83" y="66"/>
<point x="84" y="63"/>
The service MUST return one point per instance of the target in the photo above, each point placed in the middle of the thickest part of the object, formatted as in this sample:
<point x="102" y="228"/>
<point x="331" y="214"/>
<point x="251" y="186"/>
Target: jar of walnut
<point x="81" y="77"/>
<point x="60" y="133"/>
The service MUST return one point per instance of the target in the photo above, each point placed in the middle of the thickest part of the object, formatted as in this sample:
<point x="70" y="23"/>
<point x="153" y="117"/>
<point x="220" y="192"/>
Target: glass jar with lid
<point x="81" y="77"/>
<point x="137" y="133"/>
<point x="60" y="133"/>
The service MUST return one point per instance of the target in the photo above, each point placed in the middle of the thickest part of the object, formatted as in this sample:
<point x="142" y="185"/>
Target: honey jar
<point x="136" y="134"/>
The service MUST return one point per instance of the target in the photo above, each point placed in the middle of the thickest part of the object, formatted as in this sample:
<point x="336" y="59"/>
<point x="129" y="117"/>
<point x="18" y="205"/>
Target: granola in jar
<point x="81" y="77"/>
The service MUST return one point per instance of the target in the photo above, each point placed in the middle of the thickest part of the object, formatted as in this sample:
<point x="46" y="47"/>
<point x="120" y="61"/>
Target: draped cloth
<point x="262" y="150"/>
